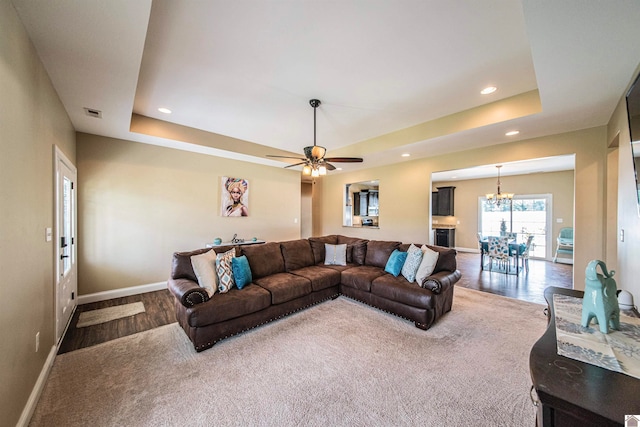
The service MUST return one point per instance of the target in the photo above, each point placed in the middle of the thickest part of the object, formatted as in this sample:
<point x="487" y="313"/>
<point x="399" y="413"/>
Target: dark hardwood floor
<point x="526" y="286"/>
<point x="159" y="311"/>
<point x="159" y="308"/>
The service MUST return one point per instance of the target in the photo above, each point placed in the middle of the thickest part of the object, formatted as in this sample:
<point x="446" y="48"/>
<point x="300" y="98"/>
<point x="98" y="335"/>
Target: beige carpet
<point x="102" y="315"/>
<point x="338" y="363"/>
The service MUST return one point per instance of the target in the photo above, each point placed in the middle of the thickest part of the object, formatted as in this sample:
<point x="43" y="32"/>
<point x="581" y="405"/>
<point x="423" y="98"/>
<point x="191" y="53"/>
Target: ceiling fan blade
<point x="286" y="157"/>
<point x="329" y="166"/>
<point x="344" y="159"/>
<point x="297" y="164"/>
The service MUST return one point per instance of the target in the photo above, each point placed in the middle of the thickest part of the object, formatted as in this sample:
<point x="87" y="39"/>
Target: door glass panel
<point x="529" y="215"/>
<point x="65" y="243"/>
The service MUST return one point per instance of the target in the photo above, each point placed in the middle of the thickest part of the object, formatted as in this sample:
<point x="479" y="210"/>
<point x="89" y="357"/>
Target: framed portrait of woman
<point x="235" y="197"/>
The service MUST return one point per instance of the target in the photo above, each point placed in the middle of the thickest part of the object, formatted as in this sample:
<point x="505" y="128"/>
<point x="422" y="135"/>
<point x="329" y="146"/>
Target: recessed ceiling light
<point x="512" y="132"/>
<point x="406" y="155"/>
<point x="164" y="110"/>
<point x="489" y="89"/>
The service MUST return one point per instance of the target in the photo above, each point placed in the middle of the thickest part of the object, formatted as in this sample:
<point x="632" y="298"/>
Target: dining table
<point x="515" y="248"/>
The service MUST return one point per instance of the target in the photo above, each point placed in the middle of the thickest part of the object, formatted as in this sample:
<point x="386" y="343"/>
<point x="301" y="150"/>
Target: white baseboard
<point x="472" y="250"/>
<point x="118" y="293"/>
<point x="27" y="412"/>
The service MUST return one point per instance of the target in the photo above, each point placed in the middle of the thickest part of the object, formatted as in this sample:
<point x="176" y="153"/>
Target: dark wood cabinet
<point x="446" y="237"/>
<point x="356" y="204"/>
<point x="442" y="201"/>
<point x="434" y="203"/>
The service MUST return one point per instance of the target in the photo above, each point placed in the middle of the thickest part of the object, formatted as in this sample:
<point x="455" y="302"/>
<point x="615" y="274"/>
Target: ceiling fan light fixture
<point x="318" y="152"/>
<point x="314" y="161"/>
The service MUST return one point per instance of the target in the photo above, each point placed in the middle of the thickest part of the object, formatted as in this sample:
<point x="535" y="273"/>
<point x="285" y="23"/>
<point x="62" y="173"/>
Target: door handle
<point x="64" y="256"/>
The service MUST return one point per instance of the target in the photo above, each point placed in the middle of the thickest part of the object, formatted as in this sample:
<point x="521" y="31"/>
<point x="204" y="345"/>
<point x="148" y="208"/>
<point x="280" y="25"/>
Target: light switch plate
<point x="48" y="232"/>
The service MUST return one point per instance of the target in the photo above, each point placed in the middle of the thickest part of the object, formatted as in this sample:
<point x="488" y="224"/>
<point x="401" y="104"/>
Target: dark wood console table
<point x="573" y="393"/>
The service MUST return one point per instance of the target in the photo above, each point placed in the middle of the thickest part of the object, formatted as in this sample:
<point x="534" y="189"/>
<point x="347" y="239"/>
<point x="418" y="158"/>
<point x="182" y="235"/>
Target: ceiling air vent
<point x="92" y="112"/>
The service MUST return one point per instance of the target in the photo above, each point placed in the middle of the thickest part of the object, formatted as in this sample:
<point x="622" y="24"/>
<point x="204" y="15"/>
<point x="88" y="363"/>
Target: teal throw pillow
<point x="241" y="271"/>
<point x="395" y="262"/>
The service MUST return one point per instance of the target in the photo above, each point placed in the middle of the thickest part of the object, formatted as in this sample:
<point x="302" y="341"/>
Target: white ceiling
<point x="247" y="68"/>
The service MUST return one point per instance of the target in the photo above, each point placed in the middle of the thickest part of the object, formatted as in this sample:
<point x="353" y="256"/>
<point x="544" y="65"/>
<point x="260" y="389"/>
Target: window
<point x="526" y="215"/>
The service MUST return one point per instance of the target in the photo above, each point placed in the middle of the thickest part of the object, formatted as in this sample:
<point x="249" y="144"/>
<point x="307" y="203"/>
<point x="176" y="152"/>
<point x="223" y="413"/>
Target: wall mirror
<point x="361" y="202"/>
<point x="633" y="111"/>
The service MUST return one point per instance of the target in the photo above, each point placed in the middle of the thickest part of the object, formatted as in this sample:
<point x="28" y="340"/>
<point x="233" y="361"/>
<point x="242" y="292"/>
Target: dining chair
<point x="564" y="243"/>
<point x="510" y="236"/>
<point x="482" y="251"/>
<point x="498" y="250"/>
<point x="524" y="256"/>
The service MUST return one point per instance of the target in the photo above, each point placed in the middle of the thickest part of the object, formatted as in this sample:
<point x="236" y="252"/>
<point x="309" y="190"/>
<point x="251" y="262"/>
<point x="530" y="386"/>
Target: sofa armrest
<point x="441" y="280"/>
<point x="188" y="292"/>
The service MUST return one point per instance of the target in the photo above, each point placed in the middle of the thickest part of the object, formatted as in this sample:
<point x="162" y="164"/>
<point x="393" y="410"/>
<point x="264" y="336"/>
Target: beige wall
<point x="306" y="210"/>
<point x="558" y="184"/>
<point x="405" y="190"/>
<point x="627" y="267"/>
<point x="32" y="120"/>
<point x="139" y="203"/>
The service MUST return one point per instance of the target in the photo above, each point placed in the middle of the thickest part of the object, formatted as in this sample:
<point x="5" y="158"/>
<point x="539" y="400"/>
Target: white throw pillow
<point x="410" y="267"/>
<point x="427" y="265"/>
<point x="204" y="266"/>
<point x="335" y="254"/>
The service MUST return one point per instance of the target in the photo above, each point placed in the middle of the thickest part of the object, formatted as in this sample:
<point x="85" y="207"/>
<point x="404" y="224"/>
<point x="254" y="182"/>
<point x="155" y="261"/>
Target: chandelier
<point x="499" y="198"/>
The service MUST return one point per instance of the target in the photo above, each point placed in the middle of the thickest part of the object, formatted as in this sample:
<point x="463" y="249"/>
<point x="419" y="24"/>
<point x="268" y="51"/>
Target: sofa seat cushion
<point x="339" y="268"/>
<point x="297" y="254"/>
<point x="320" y="277"/>
<point x="360" y="277"/>
<point x="400" y="290"/>
<point x="230" y="305"/>
<point x="284" y="286"/>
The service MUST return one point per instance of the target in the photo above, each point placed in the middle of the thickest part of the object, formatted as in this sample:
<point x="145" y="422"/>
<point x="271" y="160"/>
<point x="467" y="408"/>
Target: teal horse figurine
<point x="600" y="299"/>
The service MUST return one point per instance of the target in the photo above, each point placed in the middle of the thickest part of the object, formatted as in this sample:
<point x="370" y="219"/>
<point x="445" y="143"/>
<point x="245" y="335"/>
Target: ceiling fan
<point x="314" y="161"/>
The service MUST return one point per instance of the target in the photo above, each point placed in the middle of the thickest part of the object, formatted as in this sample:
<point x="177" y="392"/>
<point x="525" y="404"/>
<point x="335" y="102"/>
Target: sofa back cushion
<point x="356" y="249"/>
<point x="297" y="254"/>
<point x="181" y="267"/>
<point x="446" y="259"/>
<point x="264" y="259"/>
<point x="317" y="246"/>
<point x="378" y="252"/>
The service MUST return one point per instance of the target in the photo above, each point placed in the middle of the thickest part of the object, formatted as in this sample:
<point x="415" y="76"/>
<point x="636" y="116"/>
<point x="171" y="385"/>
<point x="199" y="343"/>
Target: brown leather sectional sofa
<point x="289" y="276"/>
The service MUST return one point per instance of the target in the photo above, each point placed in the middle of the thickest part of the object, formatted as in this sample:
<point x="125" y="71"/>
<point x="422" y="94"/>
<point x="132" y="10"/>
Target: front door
<point x="65" y="242"/>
